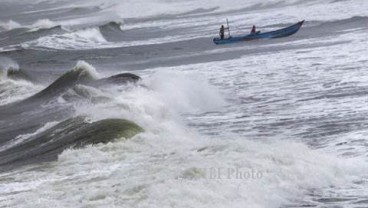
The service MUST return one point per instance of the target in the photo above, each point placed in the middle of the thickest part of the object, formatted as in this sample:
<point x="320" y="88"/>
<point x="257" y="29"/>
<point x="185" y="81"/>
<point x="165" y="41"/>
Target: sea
<point x="111" y="103"/>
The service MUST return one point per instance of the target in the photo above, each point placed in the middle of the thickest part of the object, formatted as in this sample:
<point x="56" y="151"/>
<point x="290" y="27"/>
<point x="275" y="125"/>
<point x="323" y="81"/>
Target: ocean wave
<point x="167" y="156"/>
<point x="16" y="90"/>
<point x="130" y="9"/>
<point x="24" y="137"/>
<point x="112" y="31"/>
<point x="268" y="147"/>
<point x="39" y="141"/>
<point x="177" y="159"/>
<point x="39" y="24"/>
<point x="13" y="39"/>
<point x="113" y="26"/>
<point x="81" y="39"/>
<point x="6" y="65"/>
<point x="356" y="21"/>
<point x="14" y="83"/>
<point x="48" y="34"/>
<point x="80" y="92"/>
<point x="10" y="25"/>
<point x="43" y="24"/>
<point x="45" y="145"/>
<point x="81" y="73"/>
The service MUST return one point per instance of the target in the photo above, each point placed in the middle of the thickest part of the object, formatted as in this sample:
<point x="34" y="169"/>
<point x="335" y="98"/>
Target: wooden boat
<point x="284" y="32"/>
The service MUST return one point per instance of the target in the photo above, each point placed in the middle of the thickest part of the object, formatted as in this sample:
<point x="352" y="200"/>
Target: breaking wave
<point x="81" y="39"/>
<point x="39" y="24"/>
<point x="58" y="127"/>
<point x="112" y="31"/>
<point x="85" y="121"/>
<point x="7" y="65"/>
<point x="43" y="24"/>
<point x="10" y="25"/>
<point x="14" y="83"/>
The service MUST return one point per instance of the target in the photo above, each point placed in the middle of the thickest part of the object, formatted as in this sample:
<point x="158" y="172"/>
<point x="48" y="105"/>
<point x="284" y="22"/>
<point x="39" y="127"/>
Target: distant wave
<point x="9" y="69"/>
<point x="81" y="39"/>
<point x="112" y="31"/>
<point x="9" y="25"/>
<point x="39" y="24"/>
<point x="13" y="90"/>
<point x="359" y="20"/>
<point x="6" y="65"/>
<point x="14" y="83"/>
<point x="14" y="39"/>
<point x="49" y="35"/>
<point x="353" y="21"/>
<point x="113" y="26"/>
<point x="43" y="24"/>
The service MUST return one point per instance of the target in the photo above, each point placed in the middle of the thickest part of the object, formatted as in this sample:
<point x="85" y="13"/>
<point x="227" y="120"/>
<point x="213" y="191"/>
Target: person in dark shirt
<point x="222" y="32"/>
<point x="253" y="31"/>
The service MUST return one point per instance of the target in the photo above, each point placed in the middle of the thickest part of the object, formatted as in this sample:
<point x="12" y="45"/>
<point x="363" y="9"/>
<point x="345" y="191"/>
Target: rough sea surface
<point x="112" y="103"/>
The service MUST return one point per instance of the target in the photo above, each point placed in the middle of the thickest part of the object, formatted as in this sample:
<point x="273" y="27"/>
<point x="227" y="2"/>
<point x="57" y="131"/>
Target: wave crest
<point x="81" y="73"/>
<point x="10" y="25"/>
<point x="45" y="145"/>
<point x="43" y="24"/>
<point x="81" y="39"/>
<point x="7" y="65"/>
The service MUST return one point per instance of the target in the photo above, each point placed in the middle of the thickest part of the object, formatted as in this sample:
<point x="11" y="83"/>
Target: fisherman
<point x="222" y="32"/>
<point x="253" y="31"/>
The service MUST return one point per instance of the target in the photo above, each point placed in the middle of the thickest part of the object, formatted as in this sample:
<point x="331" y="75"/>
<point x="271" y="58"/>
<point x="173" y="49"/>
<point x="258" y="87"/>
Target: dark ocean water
<point x="132" y="105"/>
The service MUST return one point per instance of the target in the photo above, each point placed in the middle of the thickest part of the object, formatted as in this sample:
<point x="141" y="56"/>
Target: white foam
<point x="162" y="96"/>
<point x="10" y="25"/>
<point x="129" y="9"/>
<point x="186" y="92"/>
<point x="81" y="39"/>
<point x="14" y="90"/>
<point x="86" y="67"/>
<point x="7" y="64"/>
<point x="272" y="8"/>
<point x="175" y="167"/>
<point x="43" y="24"/>
<point x="39" y="24"/>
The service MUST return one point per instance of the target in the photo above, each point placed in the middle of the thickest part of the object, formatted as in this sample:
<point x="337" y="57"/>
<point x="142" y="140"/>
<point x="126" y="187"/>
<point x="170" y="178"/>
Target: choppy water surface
<point x="131" y="104"/>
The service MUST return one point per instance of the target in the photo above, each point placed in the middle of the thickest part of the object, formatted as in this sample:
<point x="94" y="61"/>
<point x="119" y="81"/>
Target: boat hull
<point x="284" y="32"/>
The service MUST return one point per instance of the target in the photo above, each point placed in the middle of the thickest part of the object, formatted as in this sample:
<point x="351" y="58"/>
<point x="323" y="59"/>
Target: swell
<point x="112" y="31"/>
<point x="9" y="69"/>
<point x="356" y="21"/>
<point x="21" y="35"/>
<point x="77" y="75"/>
<point x="45" y="102"/>
<point x="18" y="74"/>
<point x="71" y="133"/>
<point x="15" y="85"/>
<point x="28" y="115"/>
<point x="319" y="29"/>
<point x="81" y="74"/>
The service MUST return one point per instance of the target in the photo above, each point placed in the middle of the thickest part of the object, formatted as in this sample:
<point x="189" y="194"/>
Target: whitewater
<point x="131" y="104"/>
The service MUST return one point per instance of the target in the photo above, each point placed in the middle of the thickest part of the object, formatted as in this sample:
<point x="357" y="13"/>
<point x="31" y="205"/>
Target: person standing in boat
<point x="222" y="32"/>
<point x="253" y="31"/>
